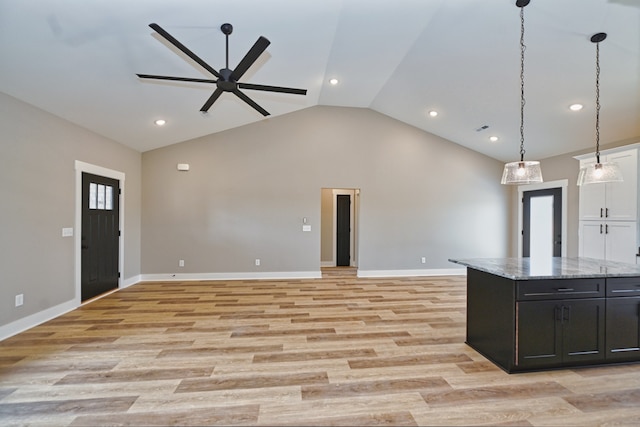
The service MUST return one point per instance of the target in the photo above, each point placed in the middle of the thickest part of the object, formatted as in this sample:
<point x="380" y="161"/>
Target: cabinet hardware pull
<point x="558" y="311"/>
<point x="606" y="214"/>
<point x="566" y="317"/>
<point x="600" y="228"/>
<point x="600" y="212"/>
<point x="606" y="229"/>
<point x="564" y="289"/>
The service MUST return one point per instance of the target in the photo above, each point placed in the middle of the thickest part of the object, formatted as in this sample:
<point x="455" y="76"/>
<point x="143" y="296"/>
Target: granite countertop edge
<point x="555" y="268"/>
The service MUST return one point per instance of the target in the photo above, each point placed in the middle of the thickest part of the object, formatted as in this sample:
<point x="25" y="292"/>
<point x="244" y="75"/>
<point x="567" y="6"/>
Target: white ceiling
<point x="78" y="59"/>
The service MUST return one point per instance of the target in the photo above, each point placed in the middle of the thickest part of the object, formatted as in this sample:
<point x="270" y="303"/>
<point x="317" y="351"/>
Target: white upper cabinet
<point x="613" y="201"/>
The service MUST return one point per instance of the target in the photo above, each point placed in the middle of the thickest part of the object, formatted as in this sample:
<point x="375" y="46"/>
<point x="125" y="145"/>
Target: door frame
<point x="353" y="222"/>
<point x="109" y="173"/>
<point x="563" y="184"/>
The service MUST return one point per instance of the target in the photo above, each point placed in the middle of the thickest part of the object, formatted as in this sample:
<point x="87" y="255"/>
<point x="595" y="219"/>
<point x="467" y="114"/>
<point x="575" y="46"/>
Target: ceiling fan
<point x="227" y="79"/>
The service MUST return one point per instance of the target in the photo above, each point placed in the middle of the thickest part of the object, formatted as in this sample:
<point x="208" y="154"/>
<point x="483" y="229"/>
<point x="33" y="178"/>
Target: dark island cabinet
<point x="556" y="332"/>
<point x="623" y="319"/>
<point x="559" y="322"/>
<point x="539" y="324"/>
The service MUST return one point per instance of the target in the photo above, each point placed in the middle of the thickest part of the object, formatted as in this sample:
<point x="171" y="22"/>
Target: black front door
<point x="555" y="238"/>
<point x="100" y="235"/>
<point x="343" y="230"/>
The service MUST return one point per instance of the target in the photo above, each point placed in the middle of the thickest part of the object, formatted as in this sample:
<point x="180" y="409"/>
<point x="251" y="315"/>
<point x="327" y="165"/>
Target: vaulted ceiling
<point x="78" y="59"/>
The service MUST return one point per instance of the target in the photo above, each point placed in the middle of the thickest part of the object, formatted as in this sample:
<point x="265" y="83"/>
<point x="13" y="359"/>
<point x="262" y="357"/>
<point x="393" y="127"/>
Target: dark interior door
<point x="100" y="235"/>
<point x="343" y="230"/>
<point x="556" y="193"/>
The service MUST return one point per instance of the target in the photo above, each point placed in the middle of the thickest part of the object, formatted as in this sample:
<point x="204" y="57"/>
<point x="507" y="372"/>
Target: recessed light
<point x="160" y="122"/>
<point x="575" y="107"/>
<point x="493" y="138"/>
<point x="333" y="81"/>
<point x="433" y="113"/>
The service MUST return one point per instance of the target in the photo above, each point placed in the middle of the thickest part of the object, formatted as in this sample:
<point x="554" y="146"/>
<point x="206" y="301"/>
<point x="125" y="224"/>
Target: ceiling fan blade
<point x="249" y="101"/>
<point x="179" y="79"/>
<point x="215" y="95"/>
<point x="256" y="50"/>
<point x="184" y="49"/>
<point x="273" y="88"/>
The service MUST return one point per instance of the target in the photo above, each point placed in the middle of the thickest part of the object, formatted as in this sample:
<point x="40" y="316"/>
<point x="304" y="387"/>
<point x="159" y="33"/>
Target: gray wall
<point x="37" y="190"/>
<point x="249" y="188"/>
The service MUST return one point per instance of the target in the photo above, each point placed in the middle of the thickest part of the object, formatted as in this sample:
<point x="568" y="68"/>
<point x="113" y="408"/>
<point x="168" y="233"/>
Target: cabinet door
<point x="620" y="239"/>
<point x="623" y="328"/>
<point x="538" y="334"/>
<point x="621" y="199"/>
<point x="583" y="330"/>
<point x="591" y="242"/>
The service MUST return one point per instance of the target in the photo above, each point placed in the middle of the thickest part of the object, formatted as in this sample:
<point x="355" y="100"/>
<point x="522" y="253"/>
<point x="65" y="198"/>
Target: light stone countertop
<point x="550" y="268"/>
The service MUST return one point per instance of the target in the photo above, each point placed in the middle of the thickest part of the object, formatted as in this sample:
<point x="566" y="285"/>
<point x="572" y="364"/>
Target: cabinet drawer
<point x="560" y="289"/>
<point x="623" y="287"/>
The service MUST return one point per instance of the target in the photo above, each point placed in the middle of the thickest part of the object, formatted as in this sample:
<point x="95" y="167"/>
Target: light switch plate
<point x="306" y="228"/>
<point x="67" y="232"/>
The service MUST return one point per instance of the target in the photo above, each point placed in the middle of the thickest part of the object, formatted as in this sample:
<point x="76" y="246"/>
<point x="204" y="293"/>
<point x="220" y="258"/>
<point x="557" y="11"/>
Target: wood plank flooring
<point x="333" y="351"/>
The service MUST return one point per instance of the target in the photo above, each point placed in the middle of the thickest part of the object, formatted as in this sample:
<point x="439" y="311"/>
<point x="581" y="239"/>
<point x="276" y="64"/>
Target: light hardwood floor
<point x="333" y="351"/>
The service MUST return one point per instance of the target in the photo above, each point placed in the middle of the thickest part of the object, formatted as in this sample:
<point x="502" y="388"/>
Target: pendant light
<point x="522" y="172"/>
<point x="599" y="172"/>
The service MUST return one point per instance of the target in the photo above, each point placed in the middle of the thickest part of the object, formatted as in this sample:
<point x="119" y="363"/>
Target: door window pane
<point x="100" y="196"/>
<point x="108" y="205"/>
<point x="541" y="227"/>
<point x="93" y="195"/>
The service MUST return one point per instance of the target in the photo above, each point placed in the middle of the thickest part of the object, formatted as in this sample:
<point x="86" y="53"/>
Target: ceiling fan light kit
<point x="599" y="172"/>
<point x="521" y="172"/>
<point x="227" y="79"/>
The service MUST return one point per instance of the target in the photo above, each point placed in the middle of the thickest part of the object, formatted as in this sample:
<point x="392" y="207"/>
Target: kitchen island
<point x="526" y="315"/>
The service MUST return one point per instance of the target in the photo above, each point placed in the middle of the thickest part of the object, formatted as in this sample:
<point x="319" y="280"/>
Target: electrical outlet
<point x="181" y="263"/>
<point x="19" y="300"/>
<point x="424" y="259"/>
<point x="257" y="261"/>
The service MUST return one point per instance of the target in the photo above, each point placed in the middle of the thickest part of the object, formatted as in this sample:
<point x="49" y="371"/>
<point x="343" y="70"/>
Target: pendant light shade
<point x="522" y="172"/>
<point x="526" y="172"/>
<point x="599" y="172"/>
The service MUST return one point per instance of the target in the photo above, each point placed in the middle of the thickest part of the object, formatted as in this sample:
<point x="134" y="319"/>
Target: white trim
<point x="168" y="277"/>
<point x="109" y="173"/>
<point x="409" y="273"/>
<point x="35" y="319"/>
<point x="607" y="151"/>
<point x="130" y="281"/>
<point x="327" y="264"/>
<point x="563" y="184"/>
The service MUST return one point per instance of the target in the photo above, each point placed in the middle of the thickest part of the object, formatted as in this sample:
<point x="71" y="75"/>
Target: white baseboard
<point x="35" y="319"/>
<point x="232" y="276"/>
<point x="327" y="264"/>
<point x="130" y="281"/>
<point x="407" y="273"/>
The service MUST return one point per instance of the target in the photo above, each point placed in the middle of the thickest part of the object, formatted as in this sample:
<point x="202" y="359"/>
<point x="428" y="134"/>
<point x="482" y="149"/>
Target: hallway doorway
<point x="339" y="227"/>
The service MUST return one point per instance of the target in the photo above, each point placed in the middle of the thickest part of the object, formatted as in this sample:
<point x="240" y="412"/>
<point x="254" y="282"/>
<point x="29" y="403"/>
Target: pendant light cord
<point x="522" y="101"/>
<point x="598" y="102"/>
